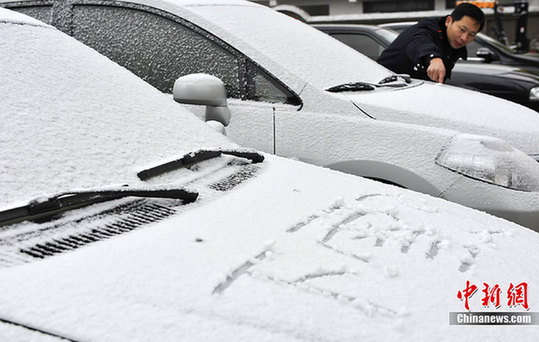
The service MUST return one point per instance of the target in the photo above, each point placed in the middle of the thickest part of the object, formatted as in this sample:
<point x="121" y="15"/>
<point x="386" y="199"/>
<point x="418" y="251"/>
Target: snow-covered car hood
<point x="444" y="106"/>
<point x="328" y="257"/>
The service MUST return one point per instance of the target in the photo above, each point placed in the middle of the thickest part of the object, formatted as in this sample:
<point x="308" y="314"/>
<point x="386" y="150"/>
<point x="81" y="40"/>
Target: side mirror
<point x="486" y="54"/>
<point x="206" y="90"/>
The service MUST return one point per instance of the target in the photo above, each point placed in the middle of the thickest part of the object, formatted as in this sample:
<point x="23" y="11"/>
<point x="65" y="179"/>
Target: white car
<point x="123" y="217"/>
<point x="295" y="92"/>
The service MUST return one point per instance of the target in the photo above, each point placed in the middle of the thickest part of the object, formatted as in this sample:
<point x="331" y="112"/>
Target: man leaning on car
<point x="429" y="49"/>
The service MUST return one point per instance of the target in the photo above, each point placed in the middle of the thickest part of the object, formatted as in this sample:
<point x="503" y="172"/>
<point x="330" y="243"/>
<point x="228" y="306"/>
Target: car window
<point x="41" y="13"/>
<point x="487" y="40"/>
<point x="364" y="44"/>
<point x="155" y="48"/>
<point x="264" y="88"/>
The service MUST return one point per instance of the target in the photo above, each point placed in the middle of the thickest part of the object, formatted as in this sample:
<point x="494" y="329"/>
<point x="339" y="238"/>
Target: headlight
<point x="491" y="160"/>
<point x="534" y="94"/>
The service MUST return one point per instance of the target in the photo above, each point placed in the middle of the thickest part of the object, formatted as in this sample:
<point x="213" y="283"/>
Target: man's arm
<point x="423" y="51"/>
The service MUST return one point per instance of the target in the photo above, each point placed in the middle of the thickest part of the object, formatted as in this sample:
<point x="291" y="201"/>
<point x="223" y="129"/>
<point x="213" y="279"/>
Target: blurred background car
<point x="123" y="217"/>
<point x="513" y="83"/>
<point x="296" y="92"/>
<point x="485" y="49"/>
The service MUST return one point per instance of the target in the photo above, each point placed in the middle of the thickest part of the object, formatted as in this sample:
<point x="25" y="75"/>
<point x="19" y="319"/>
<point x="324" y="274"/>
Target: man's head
<point x="463" y="24"/>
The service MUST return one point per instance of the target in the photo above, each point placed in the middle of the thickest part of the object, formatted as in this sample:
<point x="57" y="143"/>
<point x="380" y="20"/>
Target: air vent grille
<point x="61" y="237"/>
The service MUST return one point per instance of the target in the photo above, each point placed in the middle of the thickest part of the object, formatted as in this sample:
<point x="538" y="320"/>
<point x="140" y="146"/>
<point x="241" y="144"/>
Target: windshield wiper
<point x="395" y="78"/>
<point x="197" y="157"/>
<point x="356" y="86"/>
<point x="390" y="81"/>
<point x="45" y="208"/>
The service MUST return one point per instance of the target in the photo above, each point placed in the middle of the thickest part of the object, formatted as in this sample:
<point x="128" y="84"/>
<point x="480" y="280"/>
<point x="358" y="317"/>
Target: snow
<point x="293" y="253"/>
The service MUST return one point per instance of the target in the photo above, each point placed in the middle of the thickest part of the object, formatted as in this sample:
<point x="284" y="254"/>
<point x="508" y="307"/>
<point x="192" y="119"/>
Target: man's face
<point x="461" y="32"/>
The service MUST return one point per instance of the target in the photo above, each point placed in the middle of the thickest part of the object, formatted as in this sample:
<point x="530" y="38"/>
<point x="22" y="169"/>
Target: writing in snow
<point x="515" y="295"/>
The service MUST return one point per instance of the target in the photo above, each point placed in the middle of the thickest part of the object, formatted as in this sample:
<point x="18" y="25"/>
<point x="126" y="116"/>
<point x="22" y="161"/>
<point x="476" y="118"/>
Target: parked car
<point x="296" y="92"/>
<point x="485" y="49"/>
<point x="507" y="82"/>
<point x="212" y="246"/>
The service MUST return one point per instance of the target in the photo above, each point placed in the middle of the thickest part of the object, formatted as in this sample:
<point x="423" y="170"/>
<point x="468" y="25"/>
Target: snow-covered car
<point x="295" y="92"/>
<point x="147" y="225"/>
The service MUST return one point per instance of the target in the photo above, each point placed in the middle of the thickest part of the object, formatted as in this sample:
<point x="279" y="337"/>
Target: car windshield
<point x="388" y="34"/>
<point x="71" y="119"/>
<point x="299" y="48"/>
<point x="496" y="43"/>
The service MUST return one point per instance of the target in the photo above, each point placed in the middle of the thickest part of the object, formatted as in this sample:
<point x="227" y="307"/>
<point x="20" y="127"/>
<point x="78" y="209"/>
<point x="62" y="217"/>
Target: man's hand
<point x="436" y="70"/>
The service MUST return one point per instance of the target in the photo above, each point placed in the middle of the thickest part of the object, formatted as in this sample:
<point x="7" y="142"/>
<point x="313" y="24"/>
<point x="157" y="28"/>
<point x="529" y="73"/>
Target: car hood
<point x="445" y="106"/>
<point x="325" y="257"/>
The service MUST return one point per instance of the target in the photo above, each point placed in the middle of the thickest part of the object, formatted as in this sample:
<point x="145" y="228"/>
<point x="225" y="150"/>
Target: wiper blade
<point x="390" y="81"/>
<point x="356" y="86"/>
<point x="394" y="78"/>
<point x="40" y="209"/>
<point x="197" y="157"/>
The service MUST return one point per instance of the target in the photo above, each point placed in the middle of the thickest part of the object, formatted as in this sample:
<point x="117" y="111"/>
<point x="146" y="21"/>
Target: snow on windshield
<point x="301" y="49"/>
<point x="70" y="118"/>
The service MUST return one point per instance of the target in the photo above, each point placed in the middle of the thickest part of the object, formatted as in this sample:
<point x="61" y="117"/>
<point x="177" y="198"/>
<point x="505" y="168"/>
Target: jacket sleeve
<point x="422" y="44"/>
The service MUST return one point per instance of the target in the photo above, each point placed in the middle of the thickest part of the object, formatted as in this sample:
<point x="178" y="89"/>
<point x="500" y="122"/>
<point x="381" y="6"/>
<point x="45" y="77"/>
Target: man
<point x="429" y="49"/>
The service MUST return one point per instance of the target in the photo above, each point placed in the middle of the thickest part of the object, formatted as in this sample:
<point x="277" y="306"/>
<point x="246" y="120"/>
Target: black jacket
<point x="411" y="51"/>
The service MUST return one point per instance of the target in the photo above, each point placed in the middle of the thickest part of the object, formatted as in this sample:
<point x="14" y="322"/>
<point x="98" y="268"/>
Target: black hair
<point x="471" y="11"/>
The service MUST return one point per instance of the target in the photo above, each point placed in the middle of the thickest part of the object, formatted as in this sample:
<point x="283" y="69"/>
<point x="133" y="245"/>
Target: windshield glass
<point x="300" y="49"/>
<point x="496" y="43"/>
<point x="387" y="34"/>
<point x="72" y="119"/>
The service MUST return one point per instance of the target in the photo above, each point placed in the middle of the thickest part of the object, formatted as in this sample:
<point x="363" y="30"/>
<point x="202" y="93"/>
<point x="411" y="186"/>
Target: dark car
<point x="484" y="49"/>
<point x="512" y="83"/>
